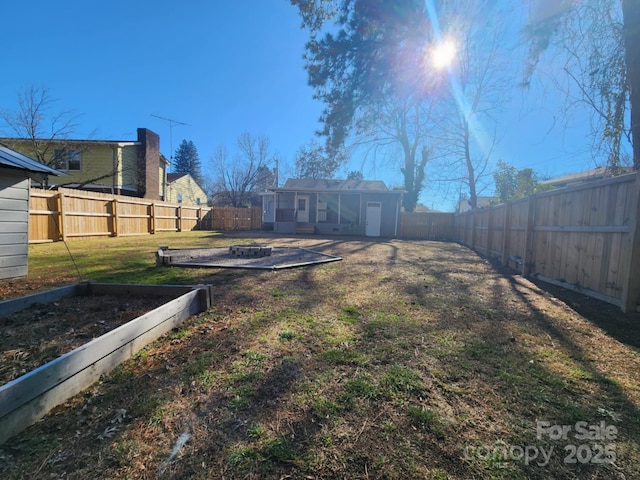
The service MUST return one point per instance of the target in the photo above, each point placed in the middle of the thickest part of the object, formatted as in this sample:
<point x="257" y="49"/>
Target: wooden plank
<point x="118" y="289"/>
<point x="584" y="291"/>
<point x="15" y="305"/>
<point x="34" y="383"/>
<point x="583" y="228"/>
<point x="28" y="398"/>
<point x="631" y="288"/>
<point x="529" y="255"/>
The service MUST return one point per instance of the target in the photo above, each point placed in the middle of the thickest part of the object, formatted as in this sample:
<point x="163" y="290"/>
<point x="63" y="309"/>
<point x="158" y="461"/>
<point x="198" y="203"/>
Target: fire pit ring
<point x="249" y="251"/>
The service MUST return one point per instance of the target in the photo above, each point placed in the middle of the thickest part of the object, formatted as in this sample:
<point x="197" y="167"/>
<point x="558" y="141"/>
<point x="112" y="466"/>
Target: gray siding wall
<point x="14" y="223"/>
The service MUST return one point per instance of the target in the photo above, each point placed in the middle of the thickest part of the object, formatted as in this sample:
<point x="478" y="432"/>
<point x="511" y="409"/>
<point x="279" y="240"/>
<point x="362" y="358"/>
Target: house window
<point x="197" y="200"/>
<point x="179" y="196"/>
<point x="350" y="209"/>
<point x="67" y="159"/>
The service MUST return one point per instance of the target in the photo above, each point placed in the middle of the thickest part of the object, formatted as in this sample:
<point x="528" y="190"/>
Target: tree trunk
<point x="631" y="14"/>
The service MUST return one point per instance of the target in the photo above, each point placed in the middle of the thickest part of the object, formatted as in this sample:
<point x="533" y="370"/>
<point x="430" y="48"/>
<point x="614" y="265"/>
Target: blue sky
<point x="222" y="67"/>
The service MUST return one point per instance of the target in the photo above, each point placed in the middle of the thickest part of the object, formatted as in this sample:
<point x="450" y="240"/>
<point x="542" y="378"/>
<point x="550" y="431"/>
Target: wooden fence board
<point x="585" y="237"/>
<point x="68" y="213"/>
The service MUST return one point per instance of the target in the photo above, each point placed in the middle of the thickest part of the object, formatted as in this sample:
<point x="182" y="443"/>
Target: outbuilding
<point x="333" y="207"/>
<point x="16" y="173"/>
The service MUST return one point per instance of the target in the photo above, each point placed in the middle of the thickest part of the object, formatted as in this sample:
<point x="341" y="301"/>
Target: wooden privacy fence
<point x="583" y="237"/>
<point x="67" y="213"/>
<point x="427" y="226"/>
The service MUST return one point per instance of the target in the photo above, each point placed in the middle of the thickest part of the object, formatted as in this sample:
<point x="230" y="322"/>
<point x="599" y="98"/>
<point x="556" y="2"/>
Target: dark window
<point x="67" y="159"/>
<point x="350" y="209"/>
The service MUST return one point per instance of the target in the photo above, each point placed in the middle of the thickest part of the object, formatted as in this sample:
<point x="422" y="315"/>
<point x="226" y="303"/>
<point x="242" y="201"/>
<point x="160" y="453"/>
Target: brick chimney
<point x="149" y="164"/>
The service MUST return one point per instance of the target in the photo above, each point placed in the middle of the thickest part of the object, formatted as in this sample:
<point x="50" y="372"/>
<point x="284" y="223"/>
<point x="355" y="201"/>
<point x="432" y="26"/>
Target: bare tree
<point x="479" y="80"/>
<point x="36" y="121"/>
<point x="236" y="180"/>
<point x="403" y="127"/>
<point x="591" y="40"/>
<point x="36" y="129"/>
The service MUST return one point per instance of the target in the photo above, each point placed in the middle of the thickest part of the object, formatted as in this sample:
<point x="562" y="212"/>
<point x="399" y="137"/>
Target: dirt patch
<point x="34" y="336"/>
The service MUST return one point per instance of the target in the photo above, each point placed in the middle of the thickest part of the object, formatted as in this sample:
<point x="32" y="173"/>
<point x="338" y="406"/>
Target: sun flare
<point x="443" y="54"/>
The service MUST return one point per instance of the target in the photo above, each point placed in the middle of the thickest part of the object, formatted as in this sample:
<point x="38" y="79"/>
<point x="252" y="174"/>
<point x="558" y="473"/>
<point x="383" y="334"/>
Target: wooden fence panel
<point x="583" y="237"/>
<point x="495" y="234"/>
<point x="86" y="214"/>
<point x="427" y="226"/>
<point x="517" y="233"/>
<point x="481" y="230"/>
<point x="464" y="228"/>
<point x="230" y="218"/>
<point x="68" y="213"/>
<point x="44" y="216"/>
<point x="166" y="217"/>
<point x="132" y="217"/>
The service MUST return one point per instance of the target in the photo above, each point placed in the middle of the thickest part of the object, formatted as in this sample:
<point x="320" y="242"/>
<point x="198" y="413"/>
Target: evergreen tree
<point x="186" y="160"/>
<point x="512" y="183"/>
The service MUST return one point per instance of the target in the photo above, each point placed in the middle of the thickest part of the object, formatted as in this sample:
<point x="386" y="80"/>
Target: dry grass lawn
<point x="407" y="359"/>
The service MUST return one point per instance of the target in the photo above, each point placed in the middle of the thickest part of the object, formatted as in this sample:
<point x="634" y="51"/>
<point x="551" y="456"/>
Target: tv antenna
<point x="172" y="123"/>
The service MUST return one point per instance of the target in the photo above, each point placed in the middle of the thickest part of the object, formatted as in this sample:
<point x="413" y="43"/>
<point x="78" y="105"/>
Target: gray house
<point x="16" y="172"/>
<point x="333" y="207"/>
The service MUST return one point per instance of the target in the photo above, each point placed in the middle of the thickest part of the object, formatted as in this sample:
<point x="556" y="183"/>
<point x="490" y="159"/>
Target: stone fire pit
<point x="251" y="251"/>
<point x="242" y="256"/>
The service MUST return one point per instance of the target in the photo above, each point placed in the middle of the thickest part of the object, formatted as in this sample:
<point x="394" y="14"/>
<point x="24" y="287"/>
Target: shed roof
<point x="12" y="159"/>
<point x="323" y="185"/>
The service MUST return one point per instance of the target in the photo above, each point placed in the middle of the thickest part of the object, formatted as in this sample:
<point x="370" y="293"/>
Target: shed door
<point x="374" y="216"/>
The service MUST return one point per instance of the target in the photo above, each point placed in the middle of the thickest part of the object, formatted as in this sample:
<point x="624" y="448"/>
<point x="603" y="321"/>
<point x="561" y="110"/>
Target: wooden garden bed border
<point x="27" y="399"/>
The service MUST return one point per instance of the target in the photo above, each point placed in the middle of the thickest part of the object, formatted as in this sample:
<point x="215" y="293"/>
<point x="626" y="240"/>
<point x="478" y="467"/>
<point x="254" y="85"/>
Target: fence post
<point x="489" y="230"/>
<point x="61" y="226"/>
<point x="114" y="209"/>
<point x="179" y="218"/>
<point x="527" y="261"/>
<point x="152" y="217"/>
<point x="631" y="290"/>
<point x="506" y="234"/>
<point x="473" y="229"/>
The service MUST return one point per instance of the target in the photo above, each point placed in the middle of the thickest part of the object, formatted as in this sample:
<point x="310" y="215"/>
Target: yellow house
<point x="182" y="188"/>
<point x="122" y="167"/>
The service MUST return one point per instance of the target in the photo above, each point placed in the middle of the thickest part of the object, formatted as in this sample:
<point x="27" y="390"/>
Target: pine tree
<point x="186" y="160"/>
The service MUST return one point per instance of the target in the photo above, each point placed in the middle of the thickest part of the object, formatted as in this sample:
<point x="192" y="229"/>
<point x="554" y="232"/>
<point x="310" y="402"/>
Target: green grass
<point x="346" y="370"/>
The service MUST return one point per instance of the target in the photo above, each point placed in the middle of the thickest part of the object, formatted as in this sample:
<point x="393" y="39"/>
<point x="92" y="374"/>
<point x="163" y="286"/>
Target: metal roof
<point x="12" y="159"/>
<point x="320" y="185"/>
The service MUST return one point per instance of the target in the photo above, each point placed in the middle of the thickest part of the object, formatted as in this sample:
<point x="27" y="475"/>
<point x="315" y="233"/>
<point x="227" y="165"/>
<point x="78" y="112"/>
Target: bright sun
<point x="442" y="54"/>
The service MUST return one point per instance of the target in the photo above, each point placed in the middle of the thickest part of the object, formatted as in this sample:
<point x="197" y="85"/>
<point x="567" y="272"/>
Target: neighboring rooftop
<point x="597" y="173"/>
<point x="322" y="185"/>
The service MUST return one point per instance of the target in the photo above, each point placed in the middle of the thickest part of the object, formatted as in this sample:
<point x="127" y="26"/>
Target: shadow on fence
<point x="583" y="238"/>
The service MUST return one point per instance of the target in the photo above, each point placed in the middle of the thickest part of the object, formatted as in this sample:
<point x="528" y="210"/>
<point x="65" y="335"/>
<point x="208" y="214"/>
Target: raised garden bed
<point x="59" y="342"/>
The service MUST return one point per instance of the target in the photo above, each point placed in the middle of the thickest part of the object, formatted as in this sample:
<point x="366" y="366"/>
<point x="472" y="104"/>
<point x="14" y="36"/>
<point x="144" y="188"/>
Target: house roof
<point x="12" y="159"/>
<point x="585" y="176"/>
<point x="172" y="177"/>
<point x="323" y="185"/>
